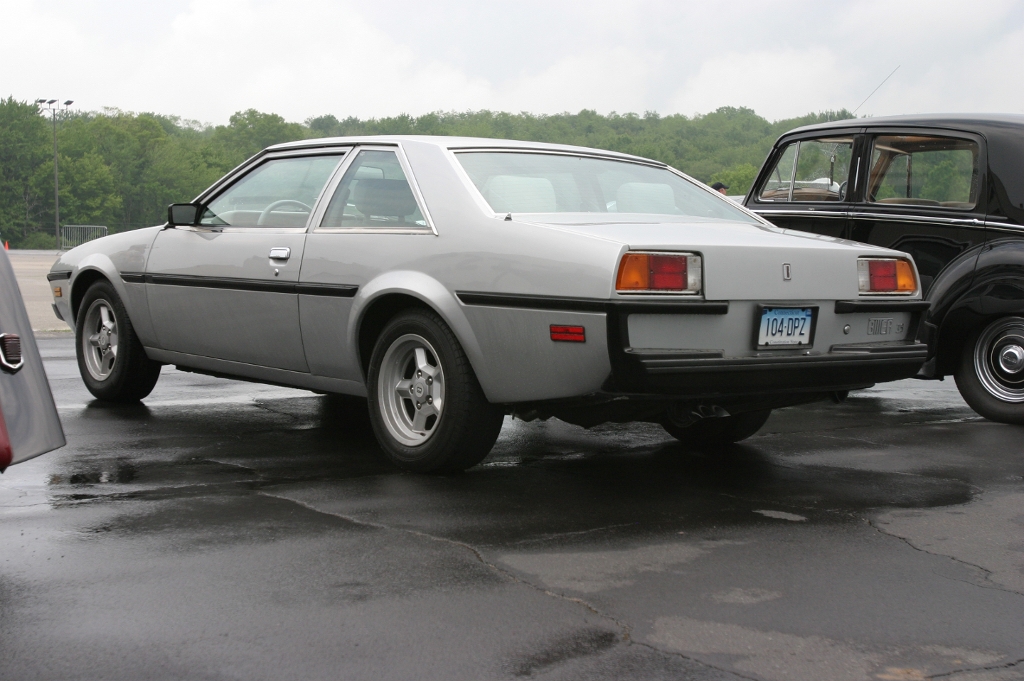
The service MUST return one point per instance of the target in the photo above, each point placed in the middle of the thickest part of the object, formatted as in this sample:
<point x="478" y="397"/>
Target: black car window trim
<point x="317" y="215"/>
<point x="229" y="180"/>
<point x="980" y="207"/>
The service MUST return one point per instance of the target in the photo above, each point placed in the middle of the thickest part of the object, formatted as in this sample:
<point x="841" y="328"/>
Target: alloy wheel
<point x="411" y="390"/>
<point x="99" y="342"/>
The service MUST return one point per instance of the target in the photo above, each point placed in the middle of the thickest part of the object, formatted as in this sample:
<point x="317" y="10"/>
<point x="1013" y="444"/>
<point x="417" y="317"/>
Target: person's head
<point x="719" y="187"/>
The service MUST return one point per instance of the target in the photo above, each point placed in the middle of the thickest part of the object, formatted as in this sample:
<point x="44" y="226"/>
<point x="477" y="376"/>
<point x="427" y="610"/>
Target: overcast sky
<point x="205" y="59"/>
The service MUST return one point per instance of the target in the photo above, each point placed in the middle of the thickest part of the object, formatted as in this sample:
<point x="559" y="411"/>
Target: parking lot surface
<point x="225" y="530"/>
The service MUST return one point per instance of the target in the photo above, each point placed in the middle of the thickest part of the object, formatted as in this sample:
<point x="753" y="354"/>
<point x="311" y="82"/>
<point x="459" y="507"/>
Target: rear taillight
<point x="659" y="273"/>
<point x="886" y="275"/>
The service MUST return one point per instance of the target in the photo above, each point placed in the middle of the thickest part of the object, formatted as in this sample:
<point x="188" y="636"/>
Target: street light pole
<point x="56" y="181"/>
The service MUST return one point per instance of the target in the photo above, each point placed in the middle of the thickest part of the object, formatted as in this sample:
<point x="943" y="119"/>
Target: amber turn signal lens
<point x="906" y="282"/>
<point x="634" y="273"/>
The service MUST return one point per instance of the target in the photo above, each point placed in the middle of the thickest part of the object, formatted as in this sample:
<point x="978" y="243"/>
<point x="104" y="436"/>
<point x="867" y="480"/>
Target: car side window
<point x="374" y="194"/>
<point x="924" y="170"/>
<point x="810" y="170"/>
<point x="278" y="193"/>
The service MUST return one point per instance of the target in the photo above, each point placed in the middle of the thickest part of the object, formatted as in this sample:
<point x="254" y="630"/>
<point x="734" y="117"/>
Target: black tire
<point x="716" y="432"/>
<point x="466" y="426"/>
<point x="131" y="374"/>
<point x="983" y="381"/>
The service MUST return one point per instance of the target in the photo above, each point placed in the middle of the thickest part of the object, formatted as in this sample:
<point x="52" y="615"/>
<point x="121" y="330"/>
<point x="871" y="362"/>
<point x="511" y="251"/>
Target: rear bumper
<point x="688" y="375"/>
<point x="682" y="374"/>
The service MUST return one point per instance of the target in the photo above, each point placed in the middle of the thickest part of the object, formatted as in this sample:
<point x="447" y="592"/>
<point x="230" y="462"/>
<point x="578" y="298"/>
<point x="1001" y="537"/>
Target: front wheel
<point x="426" y="407"/>
<point x="111" y="360"/>
<point x="720" y="431"/>
<point x="990" y="376"/>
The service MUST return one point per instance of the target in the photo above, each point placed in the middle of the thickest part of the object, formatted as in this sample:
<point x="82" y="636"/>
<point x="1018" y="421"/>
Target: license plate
<point x="782" y="326"/>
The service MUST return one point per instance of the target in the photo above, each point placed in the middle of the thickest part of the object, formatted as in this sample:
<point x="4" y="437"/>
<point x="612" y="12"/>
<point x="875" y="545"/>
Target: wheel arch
<point x="983" y="284"/>
<point x="384" y="297"/>
<point x="94" y="268"/>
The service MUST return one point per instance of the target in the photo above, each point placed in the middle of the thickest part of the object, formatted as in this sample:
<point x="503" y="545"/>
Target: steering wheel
<point x="277" y="204"/>
<point x="842" y="190"/>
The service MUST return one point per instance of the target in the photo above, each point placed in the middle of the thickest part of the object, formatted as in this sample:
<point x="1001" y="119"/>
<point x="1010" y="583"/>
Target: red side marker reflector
<point x="6" y="454"/>
<point x="571" y="334"/>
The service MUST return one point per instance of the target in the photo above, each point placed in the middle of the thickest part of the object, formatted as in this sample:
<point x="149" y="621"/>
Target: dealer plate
<point x="786" y="326"/>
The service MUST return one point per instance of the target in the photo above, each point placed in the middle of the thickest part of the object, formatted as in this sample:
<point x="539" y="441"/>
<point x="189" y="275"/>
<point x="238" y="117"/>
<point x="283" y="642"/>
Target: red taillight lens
<point x="882" y="275"/>
<point x="571" y="334"/>
<point x="668" y="272"/>
<point x="886" y="275"/>
<point x="659" y="272"/>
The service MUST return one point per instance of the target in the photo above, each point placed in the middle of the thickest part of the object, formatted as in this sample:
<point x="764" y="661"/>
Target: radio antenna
<point x="876" y="89"/>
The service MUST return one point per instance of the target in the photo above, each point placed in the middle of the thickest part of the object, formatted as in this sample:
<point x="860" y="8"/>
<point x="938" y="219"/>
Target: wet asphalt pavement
<point x="227" y="530"/>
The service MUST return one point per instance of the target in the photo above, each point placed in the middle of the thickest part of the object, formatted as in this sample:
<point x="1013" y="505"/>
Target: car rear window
<point x="518" y="182"/>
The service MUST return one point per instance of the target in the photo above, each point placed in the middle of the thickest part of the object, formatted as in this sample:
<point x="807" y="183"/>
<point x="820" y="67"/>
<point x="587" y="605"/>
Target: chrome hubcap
<point x="411" y="390"/>
<point x="99" y="340"/>
<point x="1011" y="359"/>
<point x="999" y="359"/>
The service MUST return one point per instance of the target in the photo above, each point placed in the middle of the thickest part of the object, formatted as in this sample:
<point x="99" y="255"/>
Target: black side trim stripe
<point x="535" y="302"/>
<point x="850" y="306"/>
<point x="260" y="285"/>
<point x="57" y="276"/>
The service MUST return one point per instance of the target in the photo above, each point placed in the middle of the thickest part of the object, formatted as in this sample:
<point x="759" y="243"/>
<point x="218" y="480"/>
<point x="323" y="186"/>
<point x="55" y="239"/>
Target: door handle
<point x="280" y="253"/>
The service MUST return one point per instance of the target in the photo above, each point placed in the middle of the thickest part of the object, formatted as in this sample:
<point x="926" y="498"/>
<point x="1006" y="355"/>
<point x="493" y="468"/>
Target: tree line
<point x="121" y="169"/>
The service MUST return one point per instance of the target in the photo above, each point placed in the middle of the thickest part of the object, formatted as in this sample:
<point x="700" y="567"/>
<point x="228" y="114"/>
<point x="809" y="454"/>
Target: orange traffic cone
<point x="7" y="245"/>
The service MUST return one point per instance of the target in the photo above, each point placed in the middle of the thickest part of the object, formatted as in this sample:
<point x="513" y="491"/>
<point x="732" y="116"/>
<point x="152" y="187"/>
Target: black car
<point x="948" y="189"/>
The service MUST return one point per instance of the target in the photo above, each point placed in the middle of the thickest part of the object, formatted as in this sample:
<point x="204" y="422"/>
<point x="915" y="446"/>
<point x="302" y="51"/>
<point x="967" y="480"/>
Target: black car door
<point x="808" y="186"/>
<point x="921" y="194"/>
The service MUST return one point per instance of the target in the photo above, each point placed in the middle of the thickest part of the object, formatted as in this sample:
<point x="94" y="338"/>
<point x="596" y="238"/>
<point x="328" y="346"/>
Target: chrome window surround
<point x="244" y="169"/>
<point x="316" y="217"/>
<point x="809" y="137"/>
<point x="980" y="160"/>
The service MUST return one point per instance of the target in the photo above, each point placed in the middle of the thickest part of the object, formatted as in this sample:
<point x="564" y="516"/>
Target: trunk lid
<point x="741" y="261"/>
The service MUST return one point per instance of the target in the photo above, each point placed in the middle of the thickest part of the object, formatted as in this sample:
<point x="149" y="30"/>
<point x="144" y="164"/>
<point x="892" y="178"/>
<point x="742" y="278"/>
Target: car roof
<point x="966" y="121"/>
<point x="446" y="142"/>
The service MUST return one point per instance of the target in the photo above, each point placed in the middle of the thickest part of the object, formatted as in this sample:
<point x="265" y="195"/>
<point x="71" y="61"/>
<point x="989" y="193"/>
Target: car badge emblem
<point x="787" y="271"/>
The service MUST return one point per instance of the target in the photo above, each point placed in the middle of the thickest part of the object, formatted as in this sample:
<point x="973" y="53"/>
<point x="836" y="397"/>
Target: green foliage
<point x="737" y="178"/>
<point x="121" y="169"/>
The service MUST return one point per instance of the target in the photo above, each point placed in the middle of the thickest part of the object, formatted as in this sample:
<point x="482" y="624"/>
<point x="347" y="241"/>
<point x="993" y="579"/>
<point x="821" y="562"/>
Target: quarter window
<point x="374" y="194"/>
<point x="811" y="170"/>
<point x="923" y="170"/>
<point x="278" y="193"/>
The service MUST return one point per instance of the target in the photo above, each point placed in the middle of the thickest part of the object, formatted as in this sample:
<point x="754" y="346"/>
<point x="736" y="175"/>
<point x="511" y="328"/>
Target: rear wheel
<point x="111" y="360"/>
<point x="426" y="406"/>
<point x="723" y="430"/>
<point x="991" y="372"/>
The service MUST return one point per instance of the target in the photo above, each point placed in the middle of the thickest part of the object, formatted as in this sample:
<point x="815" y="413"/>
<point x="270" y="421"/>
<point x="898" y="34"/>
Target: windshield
<point x="514" y="182"/>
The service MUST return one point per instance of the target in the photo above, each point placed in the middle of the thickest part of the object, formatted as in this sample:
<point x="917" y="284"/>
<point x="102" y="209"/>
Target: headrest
<point x="645" y="197"/>
<point x="383" y="198"/>
<point x="519" y="194"/>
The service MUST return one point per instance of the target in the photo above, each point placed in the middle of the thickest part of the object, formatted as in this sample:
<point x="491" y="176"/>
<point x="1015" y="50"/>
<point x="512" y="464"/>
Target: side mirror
<point x="184" y="214"/>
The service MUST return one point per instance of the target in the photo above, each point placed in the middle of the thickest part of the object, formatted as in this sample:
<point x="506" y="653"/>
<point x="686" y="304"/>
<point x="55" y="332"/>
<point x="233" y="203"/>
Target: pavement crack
<point x="972" y="670"/>
<point x="624" y="627"/>
<point x="988" y="573"/>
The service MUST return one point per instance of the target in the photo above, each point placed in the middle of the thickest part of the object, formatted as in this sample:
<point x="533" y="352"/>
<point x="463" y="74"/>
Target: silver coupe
<point x="453" y="281"/>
